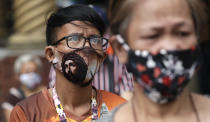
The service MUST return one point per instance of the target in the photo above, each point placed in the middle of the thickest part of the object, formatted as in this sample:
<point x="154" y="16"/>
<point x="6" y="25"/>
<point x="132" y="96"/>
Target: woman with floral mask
<point x="27" y="68"/>
<point x="158" y="41"/>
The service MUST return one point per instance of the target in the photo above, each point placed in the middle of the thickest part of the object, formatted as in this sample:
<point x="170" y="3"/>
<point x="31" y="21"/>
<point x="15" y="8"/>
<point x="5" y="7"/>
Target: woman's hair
<point x="24" y="59"/>
<point x="199" y="16"/>
<point x="120" y="12"/>
<point x="119" y="15"/>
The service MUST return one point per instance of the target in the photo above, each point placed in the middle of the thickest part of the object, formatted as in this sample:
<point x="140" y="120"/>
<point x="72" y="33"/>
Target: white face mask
<point x="92" y="69"/>
<point x="30" y="80"/>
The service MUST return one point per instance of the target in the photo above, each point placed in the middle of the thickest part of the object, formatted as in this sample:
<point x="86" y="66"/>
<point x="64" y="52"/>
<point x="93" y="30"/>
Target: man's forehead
<point x="81" y="24"/>
<point x="79" y="27"/>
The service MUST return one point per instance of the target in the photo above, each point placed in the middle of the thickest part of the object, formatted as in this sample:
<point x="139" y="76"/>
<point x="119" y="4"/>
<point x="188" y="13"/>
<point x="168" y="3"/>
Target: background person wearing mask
<point x="27" y="68"/>
<point x="158" y="40"/>
<point x="76" y="49"/>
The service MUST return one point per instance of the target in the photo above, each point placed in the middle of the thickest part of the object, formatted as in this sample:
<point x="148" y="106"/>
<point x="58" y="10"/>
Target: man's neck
<point x="148" y="109"/>
<point x="73" y="96"/>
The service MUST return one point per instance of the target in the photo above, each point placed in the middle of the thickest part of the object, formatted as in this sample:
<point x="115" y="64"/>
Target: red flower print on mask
<point x="156" y="72"/>
<point x="140" y="68"/>
<point x="146" y="79"/>
<point x="167" y="81"/>
<point x="180" y="80"/>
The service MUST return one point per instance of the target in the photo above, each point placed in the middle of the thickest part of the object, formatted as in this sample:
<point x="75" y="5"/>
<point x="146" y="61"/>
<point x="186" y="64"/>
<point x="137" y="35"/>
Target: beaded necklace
<point x="60" y="110"/>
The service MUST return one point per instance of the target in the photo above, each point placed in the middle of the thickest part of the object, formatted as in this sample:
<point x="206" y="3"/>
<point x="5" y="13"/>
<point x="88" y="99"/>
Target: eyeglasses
<point x="78" y="42"/>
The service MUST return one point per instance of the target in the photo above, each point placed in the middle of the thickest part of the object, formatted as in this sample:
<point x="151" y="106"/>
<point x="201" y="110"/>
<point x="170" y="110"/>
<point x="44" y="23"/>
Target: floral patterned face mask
<point x="163" y="76"/>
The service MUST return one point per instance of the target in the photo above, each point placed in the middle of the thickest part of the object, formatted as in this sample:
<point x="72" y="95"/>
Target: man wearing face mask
<point x="76" y="49"/>
<point x="27" y="68"/>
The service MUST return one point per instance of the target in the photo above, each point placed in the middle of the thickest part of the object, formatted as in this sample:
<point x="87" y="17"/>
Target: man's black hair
<point x="71" y="13"/>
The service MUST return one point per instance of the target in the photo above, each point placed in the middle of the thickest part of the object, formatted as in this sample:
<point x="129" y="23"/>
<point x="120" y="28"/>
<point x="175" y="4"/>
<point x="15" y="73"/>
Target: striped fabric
<point x="113" y="77"/>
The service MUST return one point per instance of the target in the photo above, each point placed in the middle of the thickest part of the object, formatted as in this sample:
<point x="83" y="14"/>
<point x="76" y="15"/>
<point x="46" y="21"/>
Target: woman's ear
<point x="118" y="49"/>
<point x="49" y="53"/>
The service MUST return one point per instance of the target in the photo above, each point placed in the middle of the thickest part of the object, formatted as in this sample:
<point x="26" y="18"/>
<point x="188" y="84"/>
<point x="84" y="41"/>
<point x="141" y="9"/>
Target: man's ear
<point x="49" y="53"/>
<point x="118" y="49"/>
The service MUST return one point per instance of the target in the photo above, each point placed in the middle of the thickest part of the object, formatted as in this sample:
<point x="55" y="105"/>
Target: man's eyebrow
<point x="94" y="35"/>
<point x="72" y="34"/>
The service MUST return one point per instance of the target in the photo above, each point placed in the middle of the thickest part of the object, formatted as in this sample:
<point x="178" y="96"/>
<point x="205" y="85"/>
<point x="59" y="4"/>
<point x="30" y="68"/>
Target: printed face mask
<point x="30" y="80"/>
<point x="163" y="76"/>
<point x="74" y="67"/>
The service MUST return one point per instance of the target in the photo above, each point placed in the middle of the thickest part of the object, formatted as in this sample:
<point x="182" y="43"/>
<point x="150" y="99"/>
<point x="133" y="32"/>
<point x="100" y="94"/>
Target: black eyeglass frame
<point x="86" y="38"/>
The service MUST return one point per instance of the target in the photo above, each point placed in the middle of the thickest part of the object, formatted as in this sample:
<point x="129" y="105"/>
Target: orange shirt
<point x="40" y="108"/>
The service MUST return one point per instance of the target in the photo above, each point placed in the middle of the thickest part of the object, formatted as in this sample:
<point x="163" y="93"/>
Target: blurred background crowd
<point x="22" y="31"/>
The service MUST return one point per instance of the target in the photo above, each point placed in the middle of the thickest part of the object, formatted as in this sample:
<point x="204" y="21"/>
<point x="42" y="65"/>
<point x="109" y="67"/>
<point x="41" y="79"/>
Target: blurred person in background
<point x="76" y="49"/>
<point x="158" y="40"/>
<point x="65" y="3"/>
<point x="27" y="68"/>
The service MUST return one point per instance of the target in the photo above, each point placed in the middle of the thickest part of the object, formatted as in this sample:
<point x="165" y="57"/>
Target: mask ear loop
<point x="122" y="42"/>
<point x="54" y="62"/>
<point x="97" y="68"/>
<point x="93" y="74"/>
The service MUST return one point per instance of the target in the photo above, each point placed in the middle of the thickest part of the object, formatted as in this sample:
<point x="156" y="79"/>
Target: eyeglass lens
<point x="76" y="41"/>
